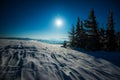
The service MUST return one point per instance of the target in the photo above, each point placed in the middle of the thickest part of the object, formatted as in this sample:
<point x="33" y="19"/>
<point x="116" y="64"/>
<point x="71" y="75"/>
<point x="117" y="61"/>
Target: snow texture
<point x="32" y="60"/>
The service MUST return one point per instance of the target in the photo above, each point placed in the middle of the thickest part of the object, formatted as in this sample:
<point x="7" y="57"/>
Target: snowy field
<point x="32" y="60"/>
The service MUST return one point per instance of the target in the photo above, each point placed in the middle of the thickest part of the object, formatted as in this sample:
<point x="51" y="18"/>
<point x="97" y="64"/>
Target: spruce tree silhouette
<point x="118" y="41"/>
<point x="72" y="36"/>
<point x="92" y="32"/>
<point x="110" y="33"/>
<point x="79" y="33"/>
<point x="102" y="38"/>
<point x="89" y="36"/>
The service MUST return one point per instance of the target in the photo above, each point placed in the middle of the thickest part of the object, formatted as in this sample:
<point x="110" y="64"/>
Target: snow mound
<point x="32" y="60"/>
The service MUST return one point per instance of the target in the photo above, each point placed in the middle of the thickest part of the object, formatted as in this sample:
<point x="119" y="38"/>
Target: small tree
<point x="72" y="36"/>
<point x="65" y="44"/>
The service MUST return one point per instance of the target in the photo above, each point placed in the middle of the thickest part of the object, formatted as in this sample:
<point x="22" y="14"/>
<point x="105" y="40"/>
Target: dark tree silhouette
<point x="92" y="32"/>
<point x="88" y="36"/>
<point x="118" y="41"/>
<point x="102" y="38"/>
<point x="110" y="33"/>
<point x="65" y="44"/>
<point x="72" y="36"/>
<point x="79" y="33"/>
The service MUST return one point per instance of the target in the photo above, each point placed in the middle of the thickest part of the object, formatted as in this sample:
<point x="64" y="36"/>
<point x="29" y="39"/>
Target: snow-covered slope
<point x="32" y="60"/>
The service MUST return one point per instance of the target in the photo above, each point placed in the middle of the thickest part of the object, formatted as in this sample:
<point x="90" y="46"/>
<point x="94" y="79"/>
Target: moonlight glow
<point x="58" y="22"/>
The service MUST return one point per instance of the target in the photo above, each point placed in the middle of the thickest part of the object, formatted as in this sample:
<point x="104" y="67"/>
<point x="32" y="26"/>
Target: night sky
<point x="36" y="18"/>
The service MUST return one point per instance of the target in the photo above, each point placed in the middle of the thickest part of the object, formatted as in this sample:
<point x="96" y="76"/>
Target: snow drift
<point x="32" y="60"/>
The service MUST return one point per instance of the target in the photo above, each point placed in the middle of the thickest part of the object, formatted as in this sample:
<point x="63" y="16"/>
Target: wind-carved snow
<point x="32" y="60"/>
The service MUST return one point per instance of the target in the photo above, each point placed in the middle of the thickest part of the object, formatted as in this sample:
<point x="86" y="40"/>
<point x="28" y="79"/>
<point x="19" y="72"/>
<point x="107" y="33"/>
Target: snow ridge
<point x="32" y="60"/>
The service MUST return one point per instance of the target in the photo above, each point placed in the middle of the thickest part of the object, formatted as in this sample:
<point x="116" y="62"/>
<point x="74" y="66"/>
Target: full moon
<point x="58" y="22"/>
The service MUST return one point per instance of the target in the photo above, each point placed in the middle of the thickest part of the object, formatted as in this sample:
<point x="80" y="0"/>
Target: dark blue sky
<point x="35" y="18"/>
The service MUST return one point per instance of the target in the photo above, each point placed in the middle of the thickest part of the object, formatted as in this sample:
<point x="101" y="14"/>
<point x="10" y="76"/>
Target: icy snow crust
<point x="32" y="60"/>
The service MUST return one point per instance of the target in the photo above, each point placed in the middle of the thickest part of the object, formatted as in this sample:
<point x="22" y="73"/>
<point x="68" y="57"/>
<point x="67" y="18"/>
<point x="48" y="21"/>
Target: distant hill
<point x="41" y="40"/>
<point x="16" y="38"/>
<point x="51" y="41"/>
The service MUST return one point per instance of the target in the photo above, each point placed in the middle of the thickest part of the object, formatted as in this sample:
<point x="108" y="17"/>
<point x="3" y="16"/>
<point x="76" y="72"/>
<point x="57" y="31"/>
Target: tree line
<point x="89" y="36"/>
